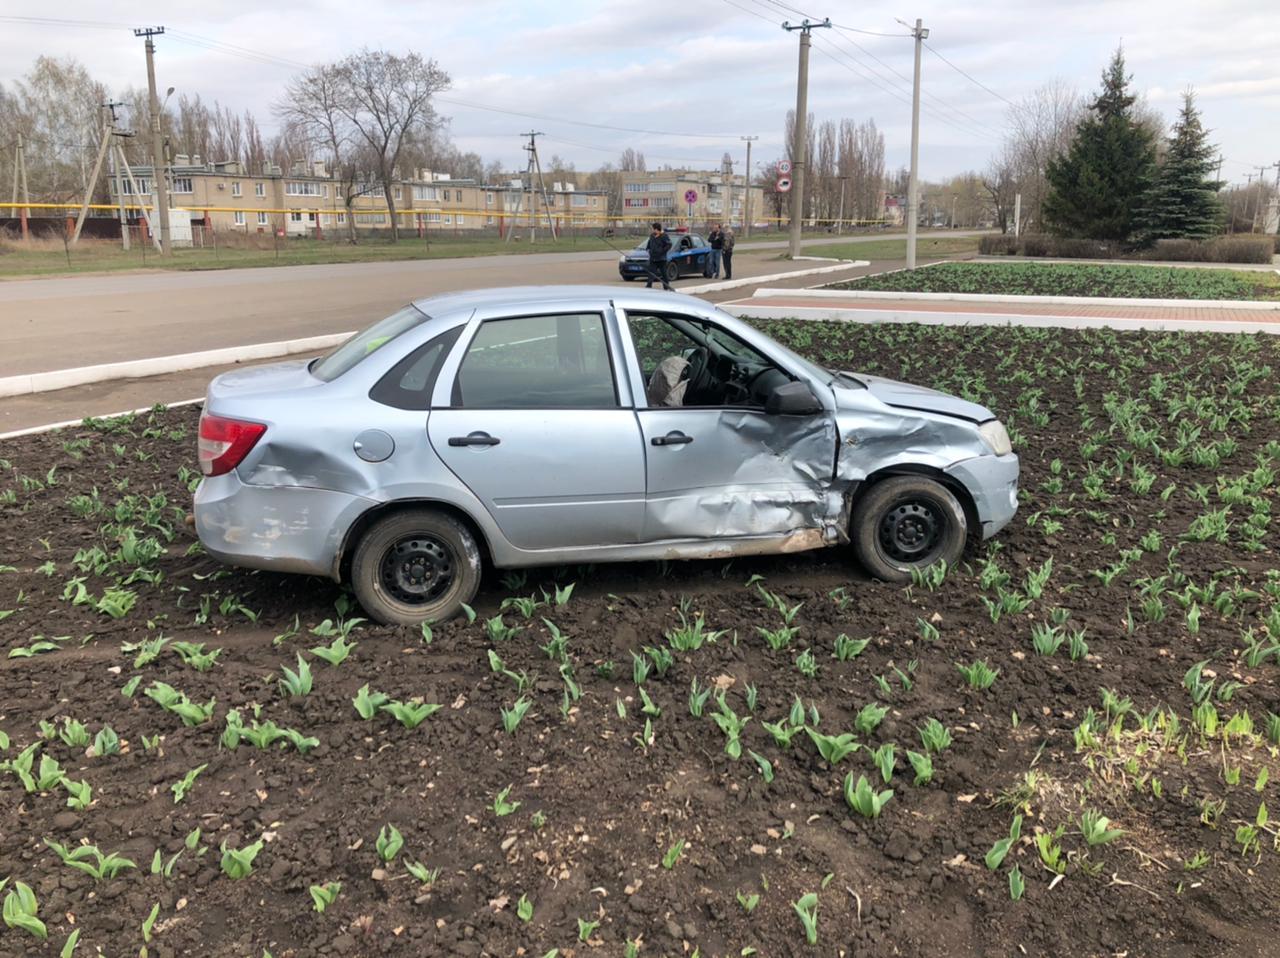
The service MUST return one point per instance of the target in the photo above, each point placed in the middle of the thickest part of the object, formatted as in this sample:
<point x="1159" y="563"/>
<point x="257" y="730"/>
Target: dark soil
<point x="599" y="806"/>
<point x="1075" y="279"/>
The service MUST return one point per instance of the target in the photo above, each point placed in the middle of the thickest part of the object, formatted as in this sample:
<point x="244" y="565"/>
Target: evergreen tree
<point x="1183" y="202"/>
<point x="1096" y="188"/>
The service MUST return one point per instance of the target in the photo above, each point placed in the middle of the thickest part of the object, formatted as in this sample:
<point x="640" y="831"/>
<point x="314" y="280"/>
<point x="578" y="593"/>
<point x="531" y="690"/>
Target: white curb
<point x="50" y="427"/>
<point x="159" y="365"/>
<point x="868" y="294"/>
<point x="774" y="277"/>
<point x="744" y="310"/>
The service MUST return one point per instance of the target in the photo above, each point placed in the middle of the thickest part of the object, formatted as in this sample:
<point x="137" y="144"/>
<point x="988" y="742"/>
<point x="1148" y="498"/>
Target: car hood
<point x="908" y="396"/>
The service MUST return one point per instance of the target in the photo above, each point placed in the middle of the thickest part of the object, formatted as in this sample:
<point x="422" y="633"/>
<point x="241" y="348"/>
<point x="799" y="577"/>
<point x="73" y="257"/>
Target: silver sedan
<point x="548" y="425"/>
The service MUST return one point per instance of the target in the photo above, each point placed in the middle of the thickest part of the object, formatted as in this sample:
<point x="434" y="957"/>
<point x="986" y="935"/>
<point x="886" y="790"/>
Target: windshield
<point x="349" y="354"/>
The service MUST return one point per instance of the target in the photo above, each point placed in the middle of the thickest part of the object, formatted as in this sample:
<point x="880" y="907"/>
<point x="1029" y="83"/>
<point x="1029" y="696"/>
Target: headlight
<point x="622" y="257"/>
<point x="996" y="436"/>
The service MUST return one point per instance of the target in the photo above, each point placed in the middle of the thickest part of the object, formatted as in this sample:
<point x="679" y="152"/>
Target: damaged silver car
<point x="548" y="425"/>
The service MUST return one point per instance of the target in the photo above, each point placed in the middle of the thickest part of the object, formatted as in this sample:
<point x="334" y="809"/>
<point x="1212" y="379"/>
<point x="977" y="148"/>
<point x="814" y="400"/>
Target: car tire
<point x="672" y="272"/>
<point x="415" y="566"/>
<point x="905" y="523"/>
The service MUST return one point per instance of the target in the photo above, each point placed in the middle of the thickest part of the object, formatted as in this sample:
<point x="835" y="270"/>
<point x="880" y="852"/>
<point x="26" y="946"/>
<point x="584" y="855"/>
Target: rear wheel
<point x="906" y="523"/>
<point x="416" y="566"/>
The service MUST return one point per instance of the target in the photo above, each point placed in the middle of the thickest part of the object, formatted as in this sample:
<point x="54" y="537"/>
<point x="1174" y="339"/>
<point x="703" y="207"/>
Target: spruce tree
<point x="1096" y="188"/>
<point x="1183" y="202"/>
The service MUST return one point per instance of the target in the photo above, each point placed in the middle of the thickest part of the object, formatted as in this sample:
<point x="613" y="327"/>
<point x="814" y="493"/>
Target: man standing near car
<point x="727" y="253"/>
<point x="715" y="239"/>
<point x="659" y="246"/>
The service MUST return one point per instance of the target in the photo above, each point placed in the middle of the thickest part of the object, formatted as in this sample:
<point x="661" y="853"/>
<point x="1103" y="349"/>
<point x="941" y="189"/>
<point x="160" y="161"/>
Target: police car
<point x="690" y="255"/>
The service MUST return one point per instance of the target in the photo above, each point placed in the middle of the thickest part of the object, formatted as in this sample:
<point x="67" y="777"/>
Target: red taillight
<point x="225" y="442"/>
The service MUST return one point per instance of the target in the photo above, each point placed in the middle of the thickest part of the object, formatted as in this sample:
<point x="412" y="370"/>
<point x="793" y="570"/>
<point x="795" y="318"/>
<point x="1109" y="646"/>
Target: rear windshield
<point x="345" y="357"/>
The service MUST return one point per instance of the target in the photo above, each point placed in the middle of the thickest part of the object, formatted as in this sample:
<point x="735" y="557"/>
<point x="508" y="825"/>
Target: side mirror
<point x="792" y="399"/>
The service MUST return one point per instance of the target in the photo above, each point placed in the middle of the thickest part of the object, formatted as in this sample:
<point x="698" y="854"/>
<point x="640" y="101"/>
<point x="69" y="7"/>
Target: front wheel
<point x="906" y="523"/>
<point x="672" y="272"/>
<point x="415" y="566"/>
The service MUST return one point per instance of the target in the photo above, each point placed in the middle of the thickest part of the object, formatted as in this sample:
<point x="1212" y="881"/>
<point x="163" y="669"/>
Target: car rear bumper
<point x="281" y="528"/>
<point x="992" y="481"/>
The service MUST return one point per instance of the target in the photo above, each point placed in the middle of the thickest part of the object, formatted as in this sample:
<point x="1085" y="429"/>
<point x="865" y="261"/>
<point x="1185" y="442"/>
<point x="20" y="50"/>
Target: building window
<point x="664" y="202"/>
<point x="635" y="203"/>
<point x="342" y="219"/>
<point x="397" y="192"/>
<point x="636" y="188"/>
<point x="182" y="184"/>
<point x="144" y="186"/>
<point x="371" y="219"/>
<point x="488" y="199"/>
<point x="667" y="187"/>
<point x="424" y="193"/>
<point x="235" y="188"/>
<point x="579" y="200"/>
<point x="295" y="217"/>
<point x="448" y="219"/>
<point x="302" y="188"/>
<point x="459" y="219"/>
<point x="239" y="217"/>
<point x="433" y="217"/>
<point x="262" y="219"/>
<point x="488" y="220"/>
<point x="259" y="189"/>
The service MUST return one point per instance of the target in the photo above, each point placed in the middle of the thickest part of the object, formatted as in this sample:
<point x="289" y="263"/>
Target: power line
<point x="753" y="13"/>
<point x="975" y="82"/>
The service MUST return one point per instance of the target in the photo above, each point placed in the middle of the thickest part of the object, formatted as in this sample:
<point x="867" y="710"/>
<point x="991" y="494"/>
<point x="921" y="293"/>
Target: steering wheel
<point x="697" y="370"/>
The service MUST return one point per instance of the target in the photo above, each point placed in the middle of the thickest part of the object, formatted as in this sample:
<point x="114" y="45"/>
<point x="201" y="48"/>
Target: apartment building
<point x="662" y="195"/>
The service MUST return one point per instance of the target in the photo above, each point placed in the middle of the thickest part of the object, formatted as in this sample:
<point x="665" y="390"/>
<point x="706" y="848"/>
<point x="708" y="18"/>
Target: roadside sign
<point x="783" y="185"/>
<point x="691" y="196"/>
<point x="784" y="167"/>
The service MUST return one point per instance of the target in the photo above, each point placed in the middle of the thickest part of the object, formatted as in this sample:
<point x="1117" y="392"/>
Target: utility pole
<point x="840" y="218"/>
<point x="115" y="156"/>
<point x="536" y="166"/>
<point x="953" y="210"/>
<point x="801" y="135"/>
<point x="157" y="147"/>
<point x="746" y="183"/>
<point x="20" y="176"/>
<point x="1262" y="190"/>
<point x="913" y="214"/>
<point x="91" y="182"/>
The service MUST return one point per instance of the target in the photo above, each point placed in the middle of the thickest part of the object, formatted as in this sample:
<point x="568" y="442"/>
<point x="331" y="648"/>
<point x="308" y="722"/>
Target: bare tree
<point x="631" y="161"/>
<point x="1041" y="127"/>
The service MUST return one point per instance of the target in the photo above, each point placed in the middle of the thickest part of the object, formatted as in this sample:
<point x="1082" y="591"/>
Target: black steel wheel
<point x="415" y="566"/>
<point x="907" y="522"/>
<point x="671" y="271"/>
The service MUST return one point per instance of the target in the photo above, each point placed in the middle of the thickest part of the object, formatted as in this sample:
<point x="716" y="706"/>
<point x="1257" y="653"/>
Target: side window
<point x="410" y="382"/>
<point x="687" y="362"/>
<point x="538" y="362"/>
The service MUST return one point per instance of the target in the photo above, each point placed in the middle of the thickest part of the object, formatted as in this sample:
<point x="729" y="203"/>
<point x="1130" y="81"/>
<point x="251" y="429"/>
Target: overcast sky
<point x="712" y="70"/>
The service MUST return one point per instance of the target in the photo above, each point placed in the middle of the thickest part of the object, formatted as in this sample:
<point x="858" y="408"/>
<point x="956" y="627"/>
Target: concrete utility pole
<point x="107" y="129"/>
<point x="157" y="146"/>
<point x="801" y="135"/>
<point x="953" y="210"/>
<point x="840" y="218"/>
<point x="746" y="183"/>
<point x="116" y="172"/>
<point x="913" y="214"/>
<point x="536" y="166"/>
<point x="1262" y="190"/>
<point x="20" y="176"/>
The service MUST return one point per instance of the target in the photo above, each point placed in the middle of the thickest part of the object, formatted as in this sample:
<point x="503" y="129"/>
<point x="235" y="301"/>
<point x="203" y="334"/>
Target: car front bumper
<point x="632" y="267"/>
<point x="281" y="528"/>
<point x="992" y="482"/>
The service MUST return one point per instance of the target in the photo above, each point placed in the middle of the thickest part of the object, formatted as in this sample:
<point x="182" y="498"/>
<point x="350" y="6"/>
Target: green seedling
<point x="698" y="698"/>
<point x="640" y="668"/>
<point x="862" y="798"/>
<point x="160" y="867"/>
<point x="512" y="717"/>
<point x="561" y="596"/>
<point x="1094" y="827"/>
<point x="524" y="908"/>
<point x="996" y="856"/>
<point x="927" y="631"/>
<point x="1196" y="861"/>
<point x="367" y="703"/>
<point x="780" y="638"/>
<point x="662" y="659"/>
<point x="806" y="908"/>
<point x="322" y="896"/>
<point x="833" y="748"/>
<point x="847" y="648"/>
<point x="194" y="655"/>
<point x="782" y="732"/>
<point x="978" y="674"/>
<point x="502" y="807"/>
<point x="930" y="577"/>
<point x="806" y="664"/>
<point x="389" y="842"/>
<point x="526" y="607"/>
<point x="336" y="652"/>
<point x="237" y="863"/>
<point x="648" y="706"/>
<point x="1050" y="851"/>
<point x="753" y="697"/>
<point x="748" y="902"/>
<point x="20" y="910"/>
<point x="935" y="736"/>
<point x="730" y="724"/>
<point x="1017" y="884"/>
<point x="1046" y="639"/>
<point x="329" y="629"/>
<point x="79" y="794"/>
<point x="130" y="687"/>
<point x="297" y="684"/>
<point x="765" y="766"/>
<point x="74" y="733"/>
<point x="181" y="787"/>
<point x="90" y="860"/>
<point x="426" y="876"/>
<point x="586" y="929"/>
<point x="922" y="765"/>
<point x="557" y="648"/>
<point x="869" y="718"/>
<point x="673" y="854"/>
<point x="885" y="760"/>
<point x="411" y="714"/>
<point x="691" y="636"/>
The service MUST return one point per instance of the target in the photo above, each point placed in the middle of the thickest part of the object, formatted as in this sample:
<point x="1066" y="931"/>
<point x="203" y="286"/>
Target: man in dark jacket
<point x="727" y="253"/>
<point x="715" y="239"/>
<point x="659" y="246"/>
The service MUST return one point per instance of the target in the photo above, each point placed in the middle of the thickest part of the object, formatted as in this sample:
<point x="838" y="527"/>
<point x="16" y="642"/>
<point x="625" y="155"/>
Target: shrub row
<point x="1226" y="249"/>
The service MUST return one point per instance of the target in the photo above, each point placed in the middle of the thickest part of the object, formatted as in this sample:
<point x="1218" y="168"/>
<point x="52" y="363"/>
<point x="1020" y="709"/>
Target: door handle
<point x="474" y="439"/>
<point x="671" y="439"/>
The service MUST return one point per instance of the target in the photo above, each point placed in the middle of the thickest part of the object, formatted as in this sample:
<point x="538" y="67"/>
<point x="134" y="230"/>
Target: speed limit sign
<point x="783" y="185"/>
<point x="784" y="167"/>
